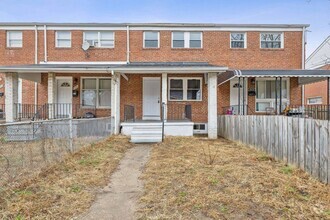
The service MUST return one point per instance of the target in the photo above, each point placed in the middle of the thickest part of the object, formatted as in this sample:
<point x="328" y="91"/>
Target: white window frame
<point x="272" y="101"/>
<point x="8" y="40"/>
<point x="99" y="39"/>
<point x="186" y="39"/>
<point x="158" y="39"/>
<point x="97" y="91"/>
<point x="282" y="40"/>
<point x="316" y="97"/>
<point x="185" y="89"/>
<point x="56" y="39"/>
<point x="245" y="40"/>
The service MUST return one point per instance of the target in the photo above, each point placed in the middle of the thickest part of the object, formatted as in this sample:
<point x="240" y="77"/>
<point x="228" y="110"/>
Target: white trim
<point x="56" y="39"/>
<point x="158" y="39"/>
<point x="99" y="38"/>
<point x="185" y="89"/>
<point x="245" y="40"/>
<point x="186" y="40"/>
<point x="88" y="63"/>
<point x="97" y="91"/>
<point x="272" y="32"/>
<point x="238" y="29"/>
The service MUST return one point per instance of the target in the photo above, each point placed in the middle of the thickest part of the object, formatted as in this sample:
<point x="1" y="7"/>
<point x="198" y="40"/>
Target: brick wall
<point x="318" y="89"/>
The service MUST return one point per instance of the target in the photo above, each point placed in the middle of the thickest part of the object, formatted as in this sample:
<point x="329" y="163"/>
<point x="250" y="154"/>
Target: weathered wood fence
<point x="302" y="142"/>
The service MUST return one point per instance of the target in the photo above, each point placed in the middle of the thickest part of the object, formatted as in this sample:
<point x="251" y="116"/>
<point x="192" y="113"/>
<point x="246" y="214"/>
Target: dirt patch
<point x="196" y="178"/>
<point x="118" y="200"/>
<point x="65" y="189"/>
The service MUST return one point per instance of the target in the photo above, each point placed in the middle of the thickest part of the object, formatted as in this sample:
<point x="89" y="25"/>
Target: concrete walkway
<point x="119" y="199"/>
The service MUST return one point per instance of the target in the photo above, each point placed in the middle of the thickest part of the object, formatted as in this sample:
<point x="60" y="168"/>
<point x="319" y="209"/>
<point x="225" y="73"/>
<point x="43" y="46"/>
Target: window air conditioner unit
<point x="92" y="43"/>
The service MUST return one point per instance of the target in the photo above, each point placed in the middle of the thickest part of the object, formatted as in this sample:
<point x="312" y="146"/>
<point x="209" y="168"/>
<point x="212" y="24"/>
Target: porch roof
<point x="305" y="76"/>
<point x="134" y="67"/>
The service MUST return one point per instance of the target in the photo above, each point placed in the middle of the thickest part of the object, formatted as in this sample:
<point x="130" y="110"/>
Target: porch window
<point x="63" y="38"/>
<point x="186" y="39"/>
<point x="96" y="92"/>
<point x="314" y="101"/>
<point x="237" y="40"/>
<point x="265" y="90"/>
<point x="185" y="89"/>
<point x="100" y="38"/>
<point x="14" y="39"/>
<point x="151" y="39"/>
<point x="271" y="40"/>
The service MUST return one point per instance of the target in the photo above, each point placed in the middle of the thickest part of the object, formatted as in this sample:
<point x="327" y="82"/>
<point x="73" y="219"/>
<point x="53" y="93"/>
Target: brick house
<point x="316" y="93"/>
<point x="186" y="74"/>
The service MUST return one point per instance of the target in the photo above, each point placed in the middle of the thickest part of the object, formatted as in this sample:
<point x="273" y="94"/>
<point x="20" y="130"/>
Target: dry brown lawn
<point x="66" y="189"/>
<point x="196" y="178"/>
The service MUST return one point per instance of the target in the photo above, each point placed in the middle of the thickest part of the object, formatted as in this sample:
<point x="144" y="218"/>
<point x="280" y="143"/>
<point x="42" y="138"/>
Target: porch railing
<point x="236" y="110"/>
<point x="2" y="112"/>
<point x="178" y="111"/>
<point x="129" y="113"/>
<point x="53" y="111"/>
<point x="321" y="112"/>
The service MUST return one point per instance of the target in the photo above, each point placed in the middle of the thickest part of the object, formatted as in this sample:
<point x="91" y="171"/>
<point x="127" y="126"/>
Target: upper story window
<point x="151" y="39"/>
<point x="271" y="40"/>
<point x="63" y="39"/>
<point x="186" y="39"/>
<point x="14" y="39"/>
<point x="185" y="89"/>
<point x="237" y="40"/>
<point x="100" y="38"/>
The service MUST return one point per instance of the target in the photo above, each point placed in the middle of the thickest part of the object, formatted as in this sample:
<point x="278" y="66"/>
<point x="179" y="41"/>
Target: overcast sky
<point x="313" y="12"/>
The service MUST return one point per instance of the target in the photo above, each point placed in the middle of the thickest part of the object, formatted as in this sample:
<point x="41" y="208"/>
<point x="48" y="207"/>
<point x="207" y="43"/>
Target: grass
<point x="196" y="178"/>
<point x="66" y="189"/>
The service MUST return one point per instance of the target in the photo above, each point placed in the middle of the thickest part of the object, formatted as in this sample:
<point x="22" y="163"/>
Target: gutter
<point x="127" y="45"/>
<point x="45" y="43"/>
<point x="35" y="62"/>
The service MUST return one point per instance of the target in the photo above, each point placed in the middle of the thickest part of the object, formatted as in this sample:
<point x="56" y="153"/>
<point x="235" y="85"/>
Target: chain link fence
<point x="26" y="148"/>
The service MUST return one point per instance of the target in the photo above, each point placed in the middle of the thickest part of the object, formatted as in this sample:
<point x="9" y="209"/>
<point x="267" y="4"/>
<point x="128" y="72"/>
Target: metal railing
<point x="236" y="110"/>
<point x="2" y="112"/>
<point x="321" y="112"/>
<point x="129" y="113"/>
<point x="53" y="111"/>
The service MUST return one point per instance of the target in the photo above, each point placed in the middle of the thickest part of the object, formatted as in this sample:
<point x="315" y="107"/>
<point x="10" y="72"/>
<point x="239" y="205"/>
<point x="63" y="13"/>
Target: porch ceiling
<point x="305" y="76"/>
<point x="136" y="67"/>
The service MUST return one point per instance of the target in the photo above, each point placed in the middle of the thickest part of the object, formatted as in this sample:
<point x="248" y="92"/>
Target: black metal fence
<point x="53" y="111"/>
<point x="321" y="112"/>
<point x="2" y="112"/>
<point x="236" y="110"/>
<point x="178" y="111"/>
<point x="129" y="113"/>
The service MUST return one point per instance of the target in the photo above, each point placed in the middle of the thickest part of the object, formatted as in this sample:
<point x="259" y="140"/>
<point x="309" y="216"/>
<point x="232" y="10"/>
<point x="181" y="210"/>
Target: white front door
<point x="63" y="107"/>
<point x="151" y="98"/>
<point x="234" y="87"/>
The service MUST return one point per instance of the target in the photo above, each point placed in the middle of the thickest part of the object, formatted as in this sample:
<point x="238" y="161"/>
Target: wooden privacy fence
<point x="302" y="142"/>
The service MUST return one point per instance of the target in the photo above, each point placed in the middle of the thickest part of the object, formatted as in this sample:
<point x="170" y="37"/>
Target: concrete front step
<point x="142" y="134"/>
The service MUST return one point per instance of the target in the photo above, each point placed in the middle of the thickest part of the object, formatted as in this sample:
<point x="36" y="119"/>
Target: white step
<point x="146" y="134"/>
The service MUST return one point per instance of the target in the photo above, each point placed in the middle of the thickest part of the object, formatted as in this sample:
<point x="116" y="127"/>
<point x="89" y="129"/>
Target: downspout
<point x="45" y="43"/>
<point x="127" y="46"/>
<point x="35" y="62"/>
<point x="303" y="63"/>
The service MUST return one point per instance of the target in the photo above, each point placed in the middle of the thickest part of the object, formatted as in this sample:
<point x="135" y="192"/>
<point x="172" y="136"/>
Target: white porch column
<point x="11" y="96"/>
<point x="115" y="102"/>
<point x="164" y="94"/>
<point x="212" y="106"/>
<point x="51" y="94"/>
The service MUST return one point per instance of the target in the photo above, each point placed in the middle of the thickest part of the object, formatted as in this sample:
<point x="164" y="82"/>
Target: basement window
<point x="200" y="128"/>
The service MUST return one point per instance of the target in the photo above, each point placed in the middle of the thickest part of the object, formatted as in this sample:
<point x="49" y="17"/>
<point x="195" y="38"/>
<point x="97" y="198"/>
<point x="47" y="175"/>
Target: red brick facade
<point x="216" y="50"/>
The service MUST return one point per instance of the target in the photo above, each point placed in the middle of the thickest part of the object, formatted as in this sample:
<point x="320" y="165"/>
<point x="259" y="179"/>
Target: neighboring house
<point x="317" y="93"/>
<point x="128" y="70"/>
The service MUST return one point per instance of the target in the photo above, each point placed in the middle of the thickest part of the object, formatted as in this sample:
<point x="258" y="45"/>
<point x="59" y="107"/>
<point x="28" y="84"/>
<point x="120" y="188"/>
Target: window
<point x="14" y="39"/>
<point x="314" y="101"/>
<point x="185" y="89"/>
<point x="265" y="93"/>
<point x="237" y="40"/>
<point x="186" y="39"/>
<point x="200" y="128"/>
<point x="100" y="38"/>
<point x="96" y="92"/>
<point x="63" y="39"/>
<point x="271" y="40"/>
<point x="151" y="39"/>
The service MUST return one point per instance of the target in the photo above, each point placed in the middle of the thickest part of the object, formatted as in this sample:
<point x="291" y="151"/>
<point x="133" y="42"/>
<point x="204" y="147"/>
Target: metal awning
<point x="305" y="76"/>
<point x="136" y="67"/>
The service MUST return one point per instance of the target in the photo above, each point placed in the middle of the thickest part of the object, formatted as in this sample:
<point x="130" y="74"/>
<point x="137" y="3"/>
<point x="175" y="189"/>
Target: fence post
<point x="70" y="133"/>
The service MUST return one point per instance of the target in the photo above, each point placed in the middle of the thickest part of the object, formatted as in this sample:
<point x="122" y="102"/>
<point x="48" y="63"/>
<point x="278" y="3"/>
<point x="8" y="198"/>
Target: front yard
<point x="196" y="178"/>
